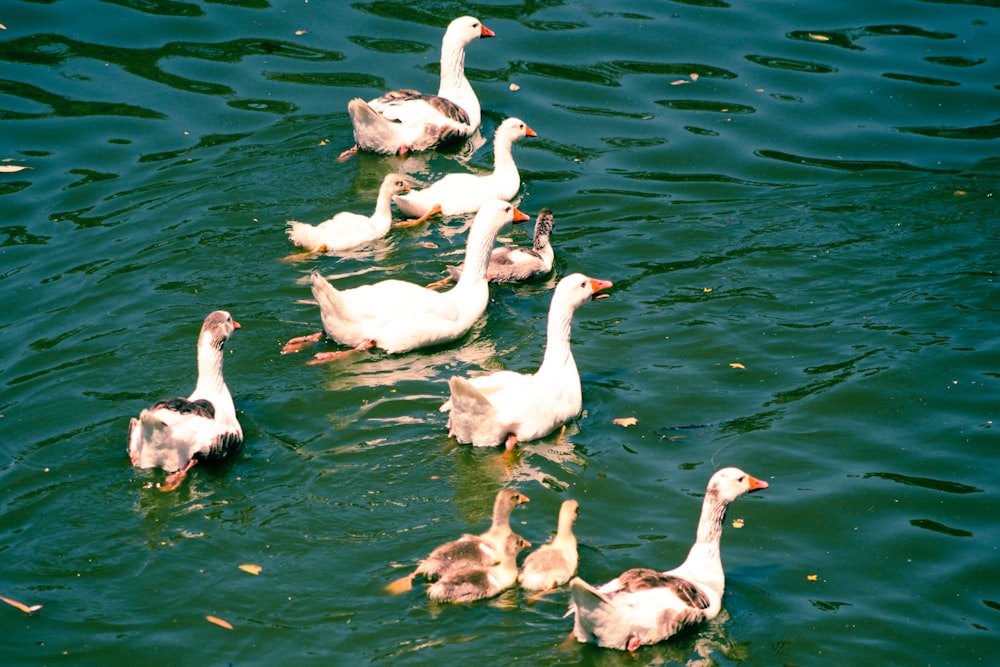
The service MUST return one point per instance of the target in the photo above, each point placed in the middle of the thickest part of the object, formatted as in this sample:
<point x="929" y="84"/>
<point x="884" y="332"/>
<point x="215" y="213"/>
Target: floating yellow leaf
<point x="813" y="577"/>
<point x="301" y="32"/>
<point x="694" y="76"/>
<point x="219" y="622"/>
<point x="514" y="87"/>
<point x="706" y="290"/>
<point x="626" y="421"/>
<point x="736" y="364"/>
<point x="10" y="168"/>
<point x="20" y="605"/>
<point x="959" y="193"/>
<point x="819" y="38"/>
<point x="251" y="568"/>
<point x="324" y="142"/>
<point x="737" y="523"/>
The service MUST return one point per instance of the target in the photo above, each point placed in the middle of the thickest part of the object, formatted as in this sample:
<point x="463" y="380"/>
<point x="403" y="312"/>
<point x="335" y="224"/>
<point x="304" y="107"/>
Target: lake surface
<point x="804" y="245"/>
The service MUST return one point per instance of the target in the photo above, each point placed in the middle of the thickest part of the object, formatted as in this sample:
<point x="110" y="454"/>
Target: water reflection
<point x="697" y="648"/>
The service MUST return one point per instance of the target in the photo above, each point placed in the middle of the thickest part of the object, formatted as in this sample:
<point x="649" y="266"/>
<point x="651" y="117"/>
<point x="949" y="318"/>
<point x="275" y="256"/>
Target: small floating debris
<point x="219" y="622"/>
<point x="20" y="605"/>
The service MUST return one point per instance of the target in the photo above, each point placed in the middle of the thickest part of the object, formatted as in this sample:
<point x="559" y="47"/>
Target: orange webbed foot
<point x="301" y="342"/>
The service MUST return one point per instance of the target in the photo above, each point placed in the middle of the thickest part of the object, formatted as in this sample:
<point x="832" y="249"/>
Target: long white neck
<point x="477" y="257"/>
<point x="503" y="157"/>
<point x="382" y="217"/>
<point x="454" y="85"/>
<point x="704" y="560"/>
<point x="557" y="337"/>
<point x="210" y="381"/>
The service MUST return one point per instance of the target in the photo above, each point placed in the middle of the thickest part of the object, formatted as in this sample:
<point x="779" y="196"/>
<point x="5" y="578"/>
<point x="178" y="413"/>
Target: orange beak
<point x="528" y="132"/>
<point x="236" y="325"/>
<point x="756" y="483"/>
<point x="519" y="216"/>
<point x="486" y="32"/>
<point x="597" y="285"/>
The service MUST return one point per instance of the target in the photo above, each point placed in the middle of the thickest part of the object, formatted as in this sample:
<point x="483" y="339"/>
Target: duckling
<point x="476" y="582"/>
<point x="554" y="563"/>
<point x="482" y="550"/>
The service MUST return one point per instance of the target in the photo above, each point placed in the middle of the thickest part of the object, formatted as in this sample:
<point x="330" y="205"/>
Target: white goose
<point x="176" y="433"/>
<point x="514" y="264"/>
<point x="512" y="407"/>
<point x="349" y="230"/>
<point x="459" y="193"/>
<point x="405" y="120"/>
<point x="469" y="550"/>
<point x="643" y="606"/>
<point x="553" y="563"/>
<point x="398" y="316"/>
<point x="478" y="582"/>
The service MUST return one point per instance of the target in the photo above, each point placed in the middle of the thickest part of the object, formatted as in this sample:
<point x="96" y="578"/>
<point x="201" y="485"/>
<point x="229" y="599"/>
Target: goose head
<point x="495" y="214"/>
<point x="513" y="129"/>
<point x="394" y="184"/>
<point x="577" y="289"/>
<point x="466" y="29"/>
<point x="217" y="328"/>
<point x="728" y="484"/>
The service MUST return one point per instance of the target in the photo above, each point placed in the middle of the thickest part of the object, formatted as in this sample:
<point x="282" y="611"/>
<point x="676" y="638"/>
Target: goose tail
<point x="473" y="418"/>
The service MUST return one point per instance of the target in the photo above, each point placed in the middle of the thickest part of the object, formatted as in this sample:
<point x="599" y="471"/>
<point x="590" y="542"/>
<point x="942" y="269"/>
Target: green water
<point x="818" y="206"/>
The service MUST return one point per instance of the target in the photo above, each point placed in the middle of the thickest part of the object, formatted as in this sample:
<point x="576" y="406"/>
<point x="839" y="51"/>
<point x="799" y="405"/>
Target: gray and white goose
<point x="513" y="263"/>
<point x="407" y="120"/>
<point x="176" y="433"/>
<point x="644" y="606"/>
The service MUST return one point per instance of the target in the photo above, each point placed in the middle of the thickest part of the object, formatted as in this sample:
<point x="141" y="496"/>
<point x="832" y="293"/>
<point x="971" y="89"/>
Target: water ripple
<point x="847" y="165"/>
<point x="925" y="482"/>
<point x="791" y="65"/>
<point x="978" y="132"/>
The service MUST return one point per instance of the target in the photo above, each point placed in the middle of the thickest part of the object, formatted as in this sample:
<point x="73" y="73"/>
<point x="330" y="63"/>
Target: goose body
<point x="644" y="606"/>
<point x="509" y="407"/>
<point x="554" y="563"/>
<point x="516" y="264"/>
<point x="398" y="316"/>
<point x="175" y="433"/>
<point x="407" y="120"/>
<point x="478" y="582"/>
<point x="348" y="230"/>
<point x="458" y="193"/>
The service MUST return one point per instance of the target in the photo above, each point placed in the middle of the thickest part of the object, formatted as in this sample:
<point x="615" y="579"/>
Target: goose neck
<point x="210" y="379"/>
<point x="477" y="256"/>
<point x="383" y="206"/>
<point x="557" y="336"/>
<point x="453" y="80"/>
